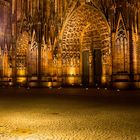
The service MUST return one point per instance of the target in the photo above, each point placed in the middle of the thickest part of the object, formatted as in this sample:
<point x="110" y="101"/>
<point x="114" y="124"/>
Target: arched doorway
<point x="91" y="49"/>
<point x="85" y="38"/>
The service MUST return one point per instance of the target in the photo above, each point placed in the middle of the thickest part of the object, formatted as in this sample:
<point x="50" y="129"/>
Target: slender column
<point x="33" y="7"/>
<point x="39" y="51"/>
<point x="113" y="53"/>
<point x="60" y="9"/>
<point x="38" y="4"/>
<point x="56" y="6"/>
<point x="90" y="68"/>
<point x="14" y="37"/>
<point x="25" y="7"/>
<point x="41" y="7"/>
<point x="139" y="21"/>
<point x="131" y="56"/>
<point x="65" y="5"/>
<point x="45" y="8"/>
<point x="138" y="41"/>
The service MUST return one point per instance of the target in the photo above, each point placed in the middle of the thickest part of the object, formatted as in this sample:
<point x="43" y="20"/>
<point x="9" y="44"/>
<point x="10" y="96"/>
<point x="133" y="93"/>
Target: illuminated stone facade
<point x="70" y="42"/>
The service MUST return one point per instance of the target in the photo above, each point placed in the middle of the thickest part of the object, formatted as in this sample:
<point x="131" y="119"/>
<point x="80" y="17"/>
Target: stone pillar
<point x="131" y="53"/>
<point x="60" y="9"/>
<point x="113" y="52"/>
<point x="138" y="45"/>
<point x="14" y="69"/>
<point x="90" y="68"/>
<point x="139" y="53"/>
<point x="14" y="38"/>
<point x="25" y="6"/>
<point x="33" y="7"/>
<point x="39" y="51"/>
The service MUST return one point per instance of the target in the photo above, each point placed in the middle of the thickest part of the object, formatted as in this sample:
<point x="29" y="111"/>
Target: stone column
<point x="138" y="56"/>
<point x="39" y="51"/>
<point x="14" y="69"/>
<point x="14" y="38"/>
<point x="113" y="52"/>
<point x="131" y="56"/>
<point x="90" y="68"/>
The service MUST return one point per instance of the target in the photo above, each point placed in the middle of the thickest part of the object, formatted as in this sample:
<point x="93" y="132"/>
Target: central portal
<point x="85" y="47"/>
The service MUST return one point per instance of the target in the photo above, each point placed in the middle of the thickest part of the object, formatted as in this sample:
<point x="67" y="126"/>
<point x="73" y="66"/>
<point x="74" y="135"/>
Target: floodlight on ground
<point x="118" y="90"/>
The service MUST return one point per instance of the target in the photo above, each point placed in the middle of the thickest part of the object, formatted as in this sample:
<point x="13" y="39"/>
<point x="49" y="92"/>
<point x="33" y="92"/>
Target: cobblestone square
<point x="60" y="114"/>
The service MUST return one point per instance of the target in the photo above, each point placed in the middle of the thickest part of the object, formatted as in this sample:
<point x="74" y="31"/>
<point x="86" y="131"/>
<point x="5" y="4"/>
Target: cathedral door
<point x="85" y="68"/>
<point x="97" y="67"/>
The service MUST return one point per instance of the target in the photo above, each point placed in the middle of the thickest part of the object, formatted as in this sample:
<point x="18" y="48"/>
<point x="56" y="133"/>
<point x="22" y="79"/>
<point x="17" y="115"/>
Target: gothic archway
<point x="85" y="31"/>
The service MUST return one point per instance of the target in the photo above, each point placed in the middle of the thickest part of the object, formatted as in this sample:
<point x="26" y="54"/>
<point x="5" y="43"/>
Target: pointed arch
<point x="121" y="49"/>
<point x="33" y="57"/>
<point x="86" y="29"/>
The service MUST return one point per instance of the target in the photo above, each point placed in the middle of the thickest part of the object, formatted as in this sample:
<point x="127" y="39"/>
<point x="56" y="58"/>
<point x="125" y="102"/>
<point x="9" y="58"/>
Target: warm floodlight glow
<point x="21" y="72"/>
<point x="72" y="71"/>
<point x="21" y="79"/>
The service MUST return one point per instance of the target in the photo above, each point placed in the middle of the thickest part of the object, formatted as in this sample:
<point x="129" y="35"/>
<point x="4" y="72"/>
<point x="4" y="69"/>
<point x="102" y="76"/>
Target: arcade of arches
<point x="80" y="42"/>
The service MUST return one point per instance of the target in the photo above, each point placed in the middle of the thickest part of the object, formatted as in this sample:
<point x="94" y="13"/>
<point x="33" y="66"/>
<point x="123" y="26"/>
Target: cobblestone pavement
<point x="60" y="117"/>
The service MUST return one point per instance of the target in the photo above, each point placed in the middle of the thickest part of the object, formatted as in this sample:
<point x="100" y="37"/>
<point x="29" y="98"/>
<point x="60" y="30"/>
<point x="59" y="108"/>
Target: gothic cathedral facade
<point x="70" y="42"/>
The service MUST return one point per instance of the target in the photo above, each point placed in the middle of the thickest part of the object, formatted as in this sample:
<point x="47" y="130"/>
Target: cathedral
<point x="48" y="43"/>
